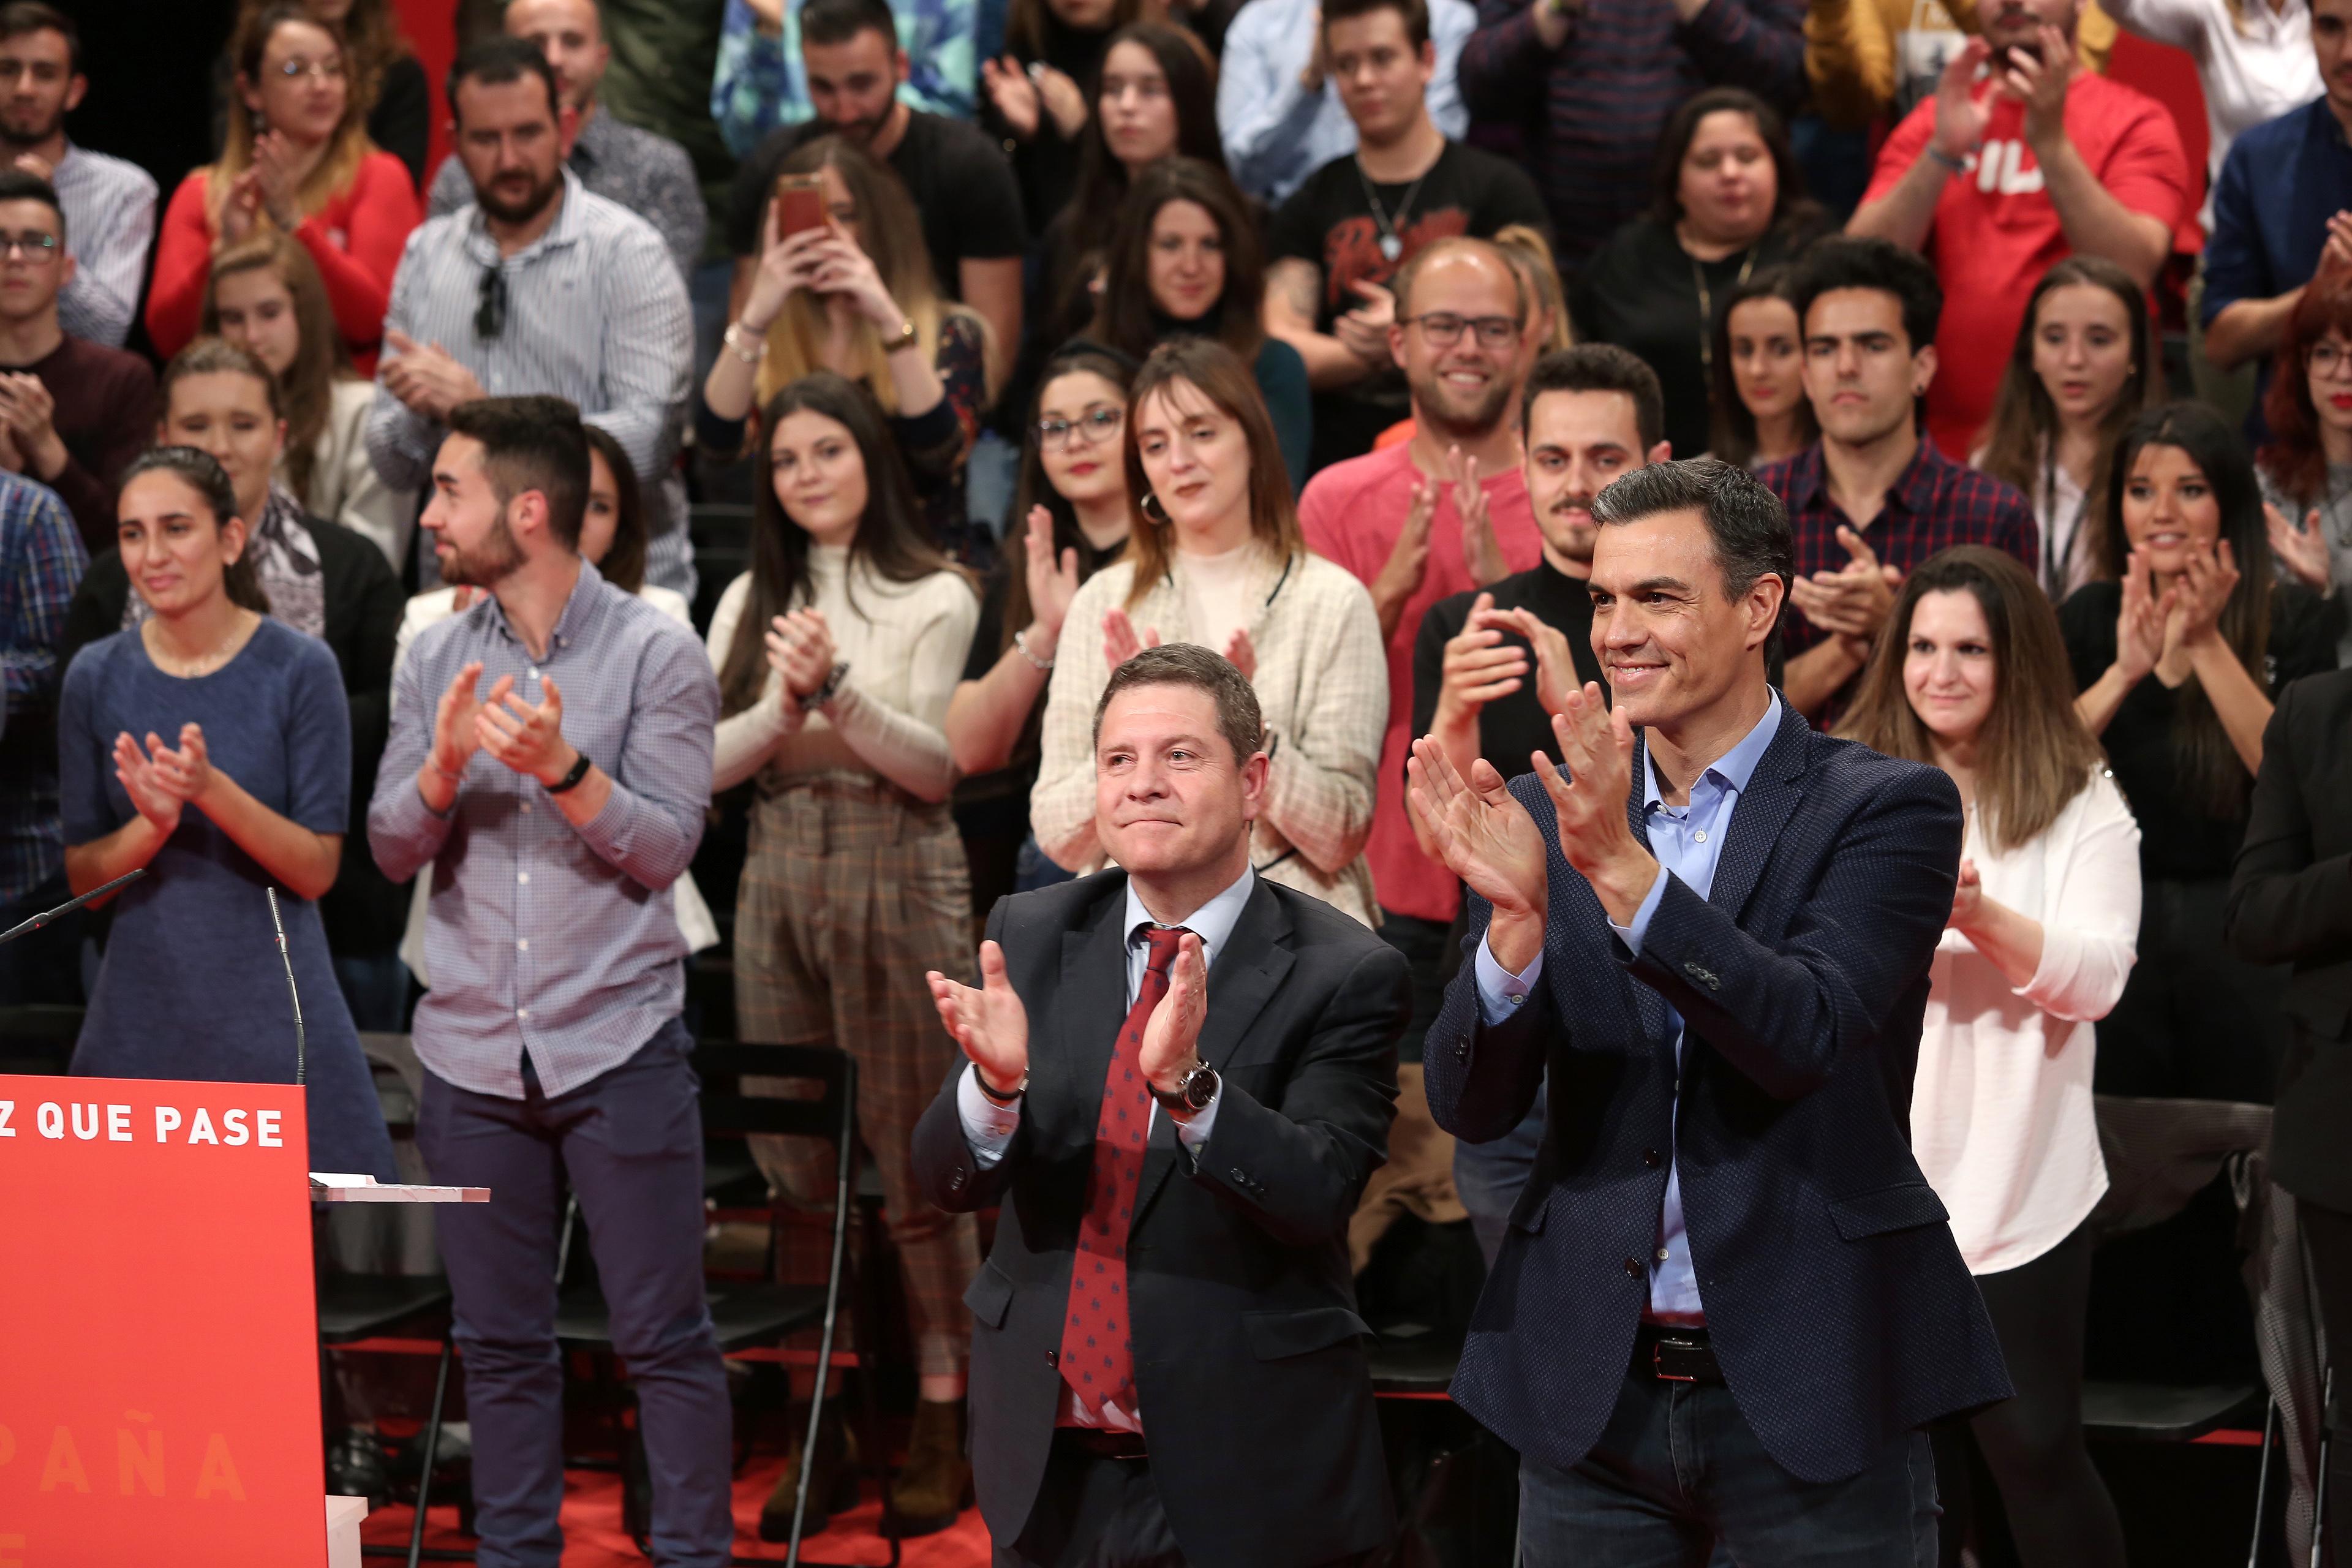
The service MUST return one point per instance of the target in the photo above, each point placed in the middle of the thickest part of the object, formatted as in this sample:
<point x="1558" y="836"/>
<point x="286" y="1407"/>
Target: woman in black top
<point x="1729" y="199"/>
<point x="1039" y="94"/>
<point x="2176" y="657"/>
<point x="1073" y="498"/>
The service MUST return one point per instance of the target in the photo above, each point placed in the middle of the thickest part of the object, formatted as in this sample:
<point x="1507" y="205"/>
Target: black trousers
<point x="2327" y="1234"/>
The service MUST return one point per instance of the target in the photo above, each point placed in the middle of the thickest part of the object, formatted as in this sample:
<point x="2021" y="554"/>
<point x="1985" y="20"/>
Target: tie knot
<point x="1163" y="941"/>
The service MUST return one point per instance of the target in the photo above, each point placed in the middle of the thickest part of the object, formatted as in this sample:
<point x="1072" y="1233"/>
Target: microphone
<point x="285" y="960"/>
<point x="68" y="907"/>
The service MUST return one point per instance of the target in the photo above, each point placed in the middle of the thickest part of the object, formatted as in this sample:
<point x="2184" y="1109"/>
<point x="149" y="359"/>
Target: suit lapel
<point x="1090" y="1008"/>
<point x="1242" y="981"/>
<point x="1762" y="811"/>
<point x="1649" y="1008"/>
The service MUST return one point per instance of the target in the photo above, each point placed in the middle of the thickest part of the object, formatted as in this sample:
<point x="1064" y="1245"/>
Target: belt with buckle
<point x="1673" y="1354"/>
<point x="1104" y="1444"/>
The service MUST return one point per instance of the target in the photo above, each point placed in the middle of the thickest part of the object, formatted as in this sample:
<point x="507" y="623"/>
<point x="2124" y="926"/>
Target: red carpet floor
<point x="593" y="1537"/>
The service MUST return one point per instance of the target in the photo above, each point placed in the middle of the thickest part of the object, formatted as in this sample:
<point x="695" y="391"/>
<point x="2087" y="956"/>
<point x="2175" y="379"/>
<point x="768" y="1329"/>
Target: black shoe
<point x="356" y="1466"/>
<point x="833" y="1480"/>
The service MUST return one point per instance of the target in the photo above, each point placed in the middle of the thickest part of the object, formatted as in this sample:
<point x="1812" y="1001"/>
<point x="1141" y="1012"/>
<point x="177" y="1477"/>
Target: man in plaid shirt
<point x="41" y="563"/>
<point x="1872" y="497"/>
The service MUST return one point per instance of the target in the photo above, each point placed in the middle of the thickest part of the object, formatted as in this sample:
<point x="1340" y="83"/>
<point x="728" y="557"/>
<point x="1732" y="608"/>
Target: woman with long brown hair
<point x="1971" y="678"/>
<point x="2306" y="468"/>
<point x="2177" y="648"/>
<point x="265" y="297"/>
<point x="1185" y="258"/>
<point x="1761" y="412"/>
<point x="1220" y="560"/>
<point x="1037" y="97"/>
<point x="2084" y="364"/>
<point x="297" y="159"/>
<point x="837" y="654"/>
<point x="856" y="297"/>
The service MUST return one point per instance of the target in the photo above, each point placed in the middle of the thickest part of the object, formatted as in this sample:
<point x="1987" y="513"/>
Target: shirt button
<point x="1662" y="1254"/>
<point x="522" y="944"/>
<point x="534" y="675"/>
<point x="522" y="876"/>
<point x="522" y="1012"/>
<point x="1700" y="834"/>
<point x="525" y="809"/>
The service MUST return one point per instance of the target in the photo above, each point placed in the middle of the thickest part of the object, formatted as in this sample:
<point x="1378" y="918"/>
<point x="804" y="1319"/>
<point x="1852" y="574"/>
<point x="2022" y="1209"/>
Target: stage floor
<point x="593" y="1537"/>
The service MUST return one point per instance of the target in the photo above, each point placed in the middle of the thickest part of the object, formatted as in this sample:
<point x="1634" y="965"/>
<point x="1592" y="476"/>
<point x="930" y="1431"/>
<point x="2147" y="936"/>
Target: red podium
<point x="159" y="1363"/>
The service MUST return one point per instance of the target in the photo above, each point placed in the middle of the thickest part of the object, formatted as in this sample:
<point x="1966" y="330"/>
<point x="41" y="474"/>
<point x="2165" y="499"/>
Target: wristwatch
<point x="828" y="691"/>
<point x="1007" y="1101"/>
<point x="906" y="337"/>
<point x="1193" y="1092"/>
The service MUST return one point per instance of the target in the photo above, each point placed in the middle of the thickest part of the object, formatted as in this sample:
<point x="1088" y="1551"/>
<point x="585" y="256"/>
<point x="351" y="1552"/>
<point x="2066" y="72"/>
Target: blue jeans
<point x="631" y="1143"/>
<point x="1678" y="1474"/>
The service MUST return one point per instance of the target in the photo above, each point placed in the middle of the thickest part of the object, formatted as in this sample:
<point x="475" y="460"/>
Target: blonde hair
<point x="1530" y="255"/>
<point x="351" y="146"/>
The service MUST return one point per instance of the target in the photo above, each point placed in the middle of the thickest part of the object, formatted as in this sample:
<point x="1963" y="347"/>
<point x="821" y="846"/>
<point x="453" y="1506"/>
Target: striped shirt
<point x="651" y="176"/>
<point x="41" y="563"/>
<point x="541" y="937"/>
<point x="109" y="211"/>
<point x="596" y="312"/>
<point x="1595" y="107"/>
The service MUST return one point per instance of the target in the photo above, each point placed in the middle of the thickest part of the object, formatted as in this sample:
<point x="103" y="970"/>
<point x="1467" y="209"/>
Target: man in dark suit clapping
<point x="1727" y="1301"/>
<point x="1180" y="1075"/>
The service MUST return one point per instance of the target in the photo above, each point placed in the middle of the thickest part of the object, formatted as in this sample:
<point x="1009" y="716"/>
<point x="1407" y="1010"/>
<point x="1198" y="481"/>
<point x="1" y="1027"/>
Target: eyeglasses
<point x="490" y="309"/>
<point x="297" y="68"/>
<point x="31" y="245"/>
<point x="2325" y="358"/>
<point x="1094" y="425"/>
<point x="1443" y="329"/>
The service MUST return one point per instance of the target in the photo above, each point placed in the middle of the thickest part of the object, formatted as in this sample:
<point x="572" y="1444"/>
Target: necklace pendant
<point x="1391" y="246"/>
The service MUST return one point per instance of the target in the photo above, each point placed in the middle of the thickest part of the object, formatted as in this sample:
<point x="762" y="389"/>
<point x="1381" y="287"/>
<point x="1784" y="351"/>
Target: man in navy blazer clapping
<point x="1728" y="1299"/>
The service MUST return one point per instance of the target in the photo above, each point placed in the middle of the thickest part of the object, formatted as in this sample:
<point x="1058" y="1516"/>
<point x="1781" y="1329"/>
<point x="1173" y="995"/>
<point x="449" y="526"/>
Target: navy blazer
<point x="1250" y="1375"/>
<point x="1836" y="1300"/>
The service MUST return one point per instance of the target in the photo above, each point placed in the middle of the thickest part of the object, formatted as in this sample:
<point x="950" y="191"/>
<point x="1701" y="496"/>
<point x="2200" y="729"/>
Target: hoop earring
<point x="1151" y="509"/>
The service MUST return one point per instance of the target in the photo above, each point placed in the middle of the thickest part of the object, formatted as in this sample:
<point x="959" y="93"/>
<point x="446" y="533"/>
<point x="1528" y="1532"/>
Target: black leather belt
<point x="1108" y="1445"/>
<point x="1673" y="1354"/>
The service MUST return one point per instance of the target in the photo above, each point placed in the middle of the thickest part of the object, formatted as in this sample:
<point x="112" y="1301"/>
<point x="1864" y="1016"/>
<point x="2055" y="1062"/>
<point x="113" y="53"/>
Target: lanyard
<point x="1707" y="305"/>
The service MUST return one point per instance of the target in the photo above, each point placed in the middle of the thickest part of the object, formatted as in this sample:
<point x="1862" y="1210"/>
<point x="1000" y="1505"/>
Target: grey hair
<point x="1190" y="664"/>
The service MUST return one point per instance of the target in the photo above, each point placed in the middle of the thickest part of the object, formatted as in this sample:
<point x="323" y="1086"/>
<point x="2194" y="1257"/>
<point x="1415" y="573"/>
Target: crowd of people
<point x="1221" y="446"/>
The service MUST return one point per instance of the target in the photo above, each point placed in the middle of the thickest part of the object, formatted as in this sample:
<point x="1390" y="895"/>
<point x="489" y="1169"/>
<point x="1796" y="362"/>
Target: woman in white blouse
<point x="1974" y="680"/>
<point x="837" y="655"/>
<point x="1220" y="562"/>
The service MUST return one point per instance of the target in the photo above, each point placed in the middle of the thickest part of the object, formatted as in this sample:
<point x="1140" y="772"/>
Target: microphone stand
<point x="285" y="958"/>
<point x="28" y="927"/>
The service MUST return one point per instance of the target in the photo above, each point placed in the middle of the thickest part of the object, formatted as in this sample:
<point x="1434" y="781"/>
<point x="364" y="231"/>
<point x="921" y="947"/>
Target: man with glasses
<point x="72" y="413"/>
<point x="1336" y="244"/>
<point x="536" y="286"/>
<point x="1441" y="514"/>
<point x="109" y="204"/>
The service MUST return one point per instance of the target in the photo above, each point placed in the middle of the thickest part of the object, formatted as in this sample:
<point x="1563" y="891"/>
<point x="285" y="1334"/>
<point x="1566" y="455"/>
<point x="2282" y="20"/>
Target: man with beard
<point x="1995" y="181"/>
<point x="109" y="204"/>
<point x="538" y="285"/>
<point x="1493" y="664"/>
<point x="651" y="176"/>
<point x="550" y="766"/>
<point x="1424" y="519"/>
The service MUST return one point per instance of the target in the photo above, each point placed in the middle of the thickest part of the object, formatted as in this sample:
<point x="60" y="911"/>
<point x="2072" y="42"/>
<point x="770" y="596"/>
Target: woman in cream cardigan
<point x="1220" y="562"/>
<point x="1973" y="678"/>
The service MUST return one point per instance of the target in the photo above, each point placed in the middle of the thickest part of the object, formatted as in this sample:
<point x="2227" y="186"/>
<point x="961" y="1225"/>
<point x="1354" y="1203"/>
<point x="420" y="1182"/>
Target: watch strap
<point x="570" y="780"/>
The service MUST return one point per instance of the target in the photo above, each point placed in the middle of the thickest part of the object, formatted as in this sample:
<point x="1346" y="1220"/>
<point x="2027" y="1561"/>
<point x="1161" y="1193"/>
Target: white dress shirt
<point x="2253" y="63"/>
<point x="989" y="1127"/>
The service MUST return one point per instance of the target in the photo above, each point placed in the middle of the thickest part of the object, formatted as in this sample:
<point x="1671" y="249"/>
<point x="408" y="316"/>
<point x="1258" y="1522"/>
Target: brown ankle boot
<point x="932" y="1488"/>
<point x="833" y="1484"/>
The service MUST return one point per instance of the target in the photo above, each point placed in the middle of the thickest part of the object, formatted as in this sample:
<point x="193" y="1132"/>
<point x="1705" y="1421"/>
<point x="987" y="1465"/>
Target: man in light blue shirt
<point x="1278" y="110"/>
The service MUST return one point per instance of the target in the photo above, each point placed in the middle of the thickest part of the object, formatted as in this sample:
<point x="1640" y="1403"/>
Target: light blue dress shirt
<point x="1687" y="841"/>
<point x="989" y="1127"/>
<point x="1276" y="134"/>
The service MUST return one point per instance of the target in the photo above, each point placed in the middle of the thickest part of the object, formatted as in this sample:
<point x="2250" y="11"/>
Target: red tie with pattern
<point x="1097" y="1359"/>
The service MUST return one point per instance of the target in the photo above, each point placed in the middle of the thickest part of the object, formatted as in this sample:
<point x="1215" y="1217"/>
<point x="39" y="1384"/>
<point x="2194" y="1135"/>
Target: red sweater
<point x="356" y="240"/>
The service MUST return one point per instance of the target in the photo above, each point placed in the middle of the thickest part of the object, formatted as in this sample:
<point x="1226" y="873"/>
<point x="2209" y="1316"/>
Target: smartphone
<point x="800" y="203"/>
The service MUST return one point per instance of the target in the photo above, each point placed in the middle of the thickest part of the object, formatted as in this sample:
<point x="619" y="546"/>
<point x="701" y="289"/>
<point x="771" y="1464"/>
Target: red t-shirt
<point x="1352" y="512"/>
<point x="1995" y="232"/>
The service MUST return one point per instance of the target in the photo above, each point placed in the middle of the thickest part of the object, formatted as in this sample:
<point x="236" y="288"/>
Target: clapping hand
<point x="988" y="1022"/>
<point x="2040" y="85"/>
<point x="140" y="779"/>
<point x="427" y="376"/>
<point x="30" y="415"/>
<point x="1555" y="663"/>
<point x="1241" y="654"/>
<point x="1171" y="1036"/>
<point x="800" y="649"/>
<point x="274" y="172"/>
<point x="527" y="738"/>
<point x="1365" y="330"/>
<point x="2209" y="579"/>
<point x="1479" y="664"/>
<point x="1121" y="641"/>
<point x="1400" y="576"/>
<point x="1052" y="584"/>
<point x="1588" y="795"/>
<point x="1481" y="553"/>
<point x="1853" y="601"/>
<point x="1479" y="830"/>
<point x="456" y="736"/>
<point x="2303" y="550"/>
<point x="2142" y="622"/>
<point x="1968" y="898"/>
<point x="1962" y="115"/>
<point x="186" y="772"/>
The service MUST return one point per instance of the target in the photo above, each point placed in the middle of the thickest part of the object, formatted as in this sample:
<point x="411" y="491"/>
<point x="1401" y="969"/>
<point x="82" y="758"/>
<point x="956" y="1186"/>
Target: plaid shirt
<point x="541" y="936"/>
<point x="41" y="563"/>
<point x="1933" y="505"/>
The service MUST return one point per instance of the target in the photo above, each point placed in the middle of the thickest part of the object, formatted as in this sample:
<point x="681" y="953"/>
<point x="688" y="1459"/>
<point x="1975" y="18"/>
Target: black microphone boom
<point x="37" y="922"/>
<point x="285" y="960"/>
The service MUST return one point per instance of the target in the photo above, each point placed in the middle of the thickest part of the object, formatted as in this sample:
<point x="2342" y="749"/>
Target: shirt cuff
<point x="1501" y="994"/>
<point x="1193" y="1134"/>
<point x="988" y="1127"/>
<point x="1631" y="935"/>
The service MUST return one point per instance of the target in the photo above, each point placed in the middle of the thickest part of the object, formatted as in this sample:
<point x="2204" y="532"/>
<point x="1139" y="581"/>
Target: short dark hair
<point x="495" y="62"/>
<point x="532" y="444"/>
<point x="16" y="185"/>
<point x="31" y="17"/>
<point x="1842" y="262"/>
<point x="838" y="21"/>
<point x="1190" y="664"/>
<point x="1599" y="367"/>
<point x="1746" y="522"/>
<point x="1414" y="12"/>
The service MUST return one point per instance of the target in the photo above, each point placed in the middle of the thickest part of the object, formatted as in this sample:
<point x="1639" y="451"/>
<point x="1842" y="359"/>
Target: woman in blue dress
<point x="211" y="744"/>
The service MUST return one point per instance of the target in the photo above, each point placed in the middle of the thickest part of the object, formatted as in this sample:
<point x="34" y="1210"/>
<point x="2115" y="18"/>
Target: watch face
<point x="1200" y="1087"/>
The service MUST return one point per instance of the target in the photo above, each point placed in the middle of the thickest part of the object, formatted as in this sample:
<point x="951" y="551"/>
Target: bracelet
<point x="1021" y="641"/>
<point x="733" y="337"/>
<point x="570" y="780"/>
<point x="906" y="338"/>
<point x="1937" y="155"/>
<point x="825" y="693"/>
<point x="1007" y="1101"/>
<point x="435" y="764"/>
